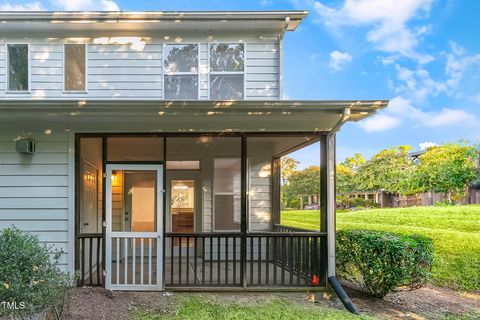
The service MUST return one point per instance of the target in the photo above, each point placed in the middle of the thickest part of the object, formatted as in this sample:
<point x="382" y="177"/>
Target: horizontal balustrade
<point x="272" y="259"/>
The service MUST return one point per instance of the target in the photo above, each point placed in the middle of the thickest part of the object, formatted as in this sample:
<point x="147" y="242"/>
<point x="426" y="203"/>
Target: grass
<point x="455" y="231"/>
<point x="203" y="309"/>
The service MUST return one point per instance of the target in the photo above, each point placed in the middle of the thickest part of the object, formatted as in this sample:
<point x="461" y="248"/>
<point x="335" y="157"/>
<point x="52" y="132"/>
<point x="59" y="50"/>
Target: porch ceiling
<point x="184" y="116"/>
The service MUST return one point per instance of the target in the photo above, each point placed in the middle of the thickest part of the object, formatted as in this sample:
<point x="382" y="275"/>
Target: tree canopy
<point x="346" y="173"/>
<point x="389" y="170"/>
<point x="448" y="168"/>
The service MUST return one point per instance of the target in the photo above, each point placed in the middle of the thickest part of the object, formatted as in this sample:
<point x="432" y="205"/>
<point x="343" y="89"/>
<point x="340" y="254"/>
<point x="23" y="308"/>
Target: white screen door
<point x="134" y="212"/>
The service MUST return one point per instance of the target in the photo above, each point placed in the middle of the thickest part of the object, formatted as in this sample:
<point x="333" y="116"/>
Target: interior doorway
<point x="184" y="210"/>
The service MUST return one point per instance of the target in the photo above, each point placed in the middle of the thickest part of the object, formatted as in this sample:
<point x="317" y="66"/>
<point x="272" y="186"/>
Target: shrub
<point x="379" y="261"/>
<point x="345" y="202"/>
<point x="29" y="277"/>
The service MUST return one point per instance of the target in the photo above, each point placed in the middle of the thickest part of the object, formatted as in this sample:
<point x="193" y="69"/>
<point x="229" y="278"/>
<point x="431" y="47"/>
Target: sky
<point x="422" y="55"/>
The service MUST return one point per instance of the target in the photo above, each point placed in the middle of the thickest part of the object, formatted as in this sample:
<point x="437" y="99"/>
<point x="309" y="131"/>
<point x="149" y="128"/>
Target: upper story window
<point x="181" y="71"/>
<point x="17" y="61"/>
<point x="227" y="68"/>
<point x="74" y="67"/>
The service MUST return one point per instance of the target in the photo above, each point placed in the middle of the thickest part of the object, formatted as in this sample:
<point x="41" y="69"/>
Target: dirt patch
<point x="425" y="303"/>
<point x="100" y="304"/>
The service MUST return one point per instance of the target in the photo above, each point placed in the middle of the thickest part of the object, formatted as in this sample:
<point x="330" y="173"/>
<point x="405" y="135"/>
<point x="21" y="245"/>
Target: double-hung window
<point x="181" y="71"/>
<point x="227" y="71"/>
<point x="17" y="62"/>
<point x="74" y="67"/>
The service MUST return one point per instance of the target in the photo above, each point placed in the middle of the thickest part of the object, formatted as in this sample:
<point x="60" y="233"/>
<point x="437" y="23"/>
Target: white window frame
<point x="7" y="67"/>
<point x="165" y="73"/>
<point x="64" y="69"/>
<point x="210" y="72"/>
<point x="223" y="194"/>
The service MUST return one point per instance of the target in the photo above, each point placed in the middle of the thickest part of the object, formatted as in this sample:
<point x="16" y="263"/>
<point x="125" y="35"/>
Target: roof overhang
<point x="183" y="116"/>
<point x="148" y="22"/>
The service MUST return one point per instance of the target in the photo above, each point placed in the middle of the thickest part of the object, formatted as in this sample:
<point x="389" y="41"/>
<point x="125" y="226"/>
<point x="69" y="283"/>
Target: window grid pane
<point x="226" y="87"/>
<point x="225" y="57"/>
<point x="181" y="58"/>
<point x="74" y="67"/>
<point x="181" y="87"/>
<point x="17" y="67"/>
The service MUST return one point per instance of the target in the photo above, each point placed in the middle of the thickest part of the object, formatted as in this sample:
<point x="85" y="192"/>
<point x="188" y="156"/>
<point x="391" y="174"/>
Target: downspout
<point x="280" y="58"/>
<point x="331" y="215"/>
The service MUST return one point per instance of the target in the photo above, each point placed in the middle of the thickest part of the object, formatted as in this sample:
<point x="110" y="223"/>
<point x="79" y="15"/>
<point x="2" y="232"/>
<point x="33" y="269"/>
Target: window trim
<point x="64" y="69"/>
<point x="222" y="193"/>
<point x="244" y="72"/>
<point x="164" y="71"/>
<point x="7" y="66"/>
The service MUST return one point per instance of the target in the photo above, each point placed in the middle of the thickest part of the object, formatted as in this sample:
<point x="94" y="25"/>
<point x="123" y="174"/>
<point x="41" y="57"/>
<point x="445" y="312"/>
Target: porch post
<point x="104" y="207"/>
<point x="331" y="203"/>
<point x="276" y="185"/>
<point x="323" y="208"/>
<point x="243" y="213"/>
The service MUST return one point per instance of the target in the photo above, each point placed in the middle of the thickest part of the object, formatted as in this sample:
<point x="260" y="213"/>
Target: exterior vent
<point x="25" y="146"/>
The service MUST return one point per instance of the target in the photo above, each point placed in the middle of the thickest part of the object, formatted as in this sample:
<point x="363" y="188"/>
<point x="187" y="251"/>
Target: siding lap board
<point x="34" y="189"/>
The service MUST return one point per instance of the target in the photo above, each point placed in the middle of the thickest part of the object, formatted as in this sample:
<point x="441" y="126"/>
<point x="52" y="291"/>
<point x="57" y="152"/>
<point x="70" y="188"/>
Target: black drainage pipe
<point x="342" y="295"/>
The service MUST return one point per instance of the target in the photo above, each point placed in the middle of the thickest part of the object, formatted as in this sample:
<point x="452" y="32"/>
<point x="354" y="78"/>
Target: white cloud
<point x="447" y="117"/>
<point x="426" y="145"/>
<point x="86" y="5"/>
<point x="339" y="59"/>
<point x="457" y="64"/>
<point x="418" y="83"/>
<point x="31" y="6"/>
<point x="381" y="122"/>
<point x="401" y="110"/>
<point x="265" y="3"/>
<point x="386" y="20"/>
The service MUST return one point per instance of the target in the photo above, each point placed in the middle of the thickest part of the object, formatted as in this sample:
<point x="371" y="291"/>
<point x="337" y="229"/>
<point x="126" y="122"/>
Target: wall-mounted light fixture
<point x="25" y="146"/>
<point x="114" y="176"/>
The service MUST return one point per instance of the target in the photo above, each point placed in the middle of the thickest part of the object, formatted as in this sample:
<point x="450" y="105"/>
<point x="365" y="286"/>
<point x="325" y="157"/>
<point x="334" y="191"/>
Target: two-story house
<point x="146" y="146"/>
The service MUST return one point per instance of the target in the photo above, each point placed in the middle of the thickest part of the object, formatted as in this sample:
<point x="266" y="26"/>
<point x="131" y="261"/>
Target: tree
<point x="288" y="168"/>
<point x="448" y="168"/>
<point x="389" y="170"/>
<point x="306" y="181"/>
<point x="346" y="173"/>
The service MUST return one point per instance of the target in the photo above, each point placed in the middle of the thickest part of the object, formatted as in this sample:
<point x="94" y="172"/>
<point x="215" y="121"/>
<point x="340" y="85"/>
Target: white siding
<point x="116" y="71"/>
<point x="262" y="71"/>
<point x="34" y="190"/>
<point x="260" y="210"/>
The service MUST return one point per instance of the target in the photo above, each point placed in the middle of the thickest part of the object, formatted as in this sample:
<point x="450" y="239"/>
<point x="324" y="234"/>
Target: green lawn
<point x="455" y="231"/>
<point x="203" y="309"/>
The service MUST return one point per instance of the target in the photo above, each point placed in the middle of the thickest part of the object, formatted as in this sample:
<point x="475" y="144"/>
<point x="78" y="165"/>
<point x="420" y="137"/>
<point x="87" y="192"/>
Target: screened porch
<point x="217" y="215"/>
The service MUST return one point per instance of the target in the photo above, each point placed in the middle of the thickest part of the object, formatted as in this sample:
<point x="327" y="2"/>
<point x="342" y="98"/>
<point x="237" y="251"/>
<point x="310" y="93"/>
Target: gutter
<point x="294" y="16"/>
<point x="331" y="215"/>
<point x="345" y="116"/>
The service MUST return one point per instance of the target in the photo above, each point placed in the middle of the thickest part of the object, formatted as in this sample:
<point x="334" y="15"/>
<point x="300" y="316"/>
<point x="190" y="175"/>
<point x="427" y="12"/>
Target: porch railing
<point x="202" y="259"/>
<point x="283" y="228"/>
<point x="90" y="263"/>
<point x="272" y="259"/>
